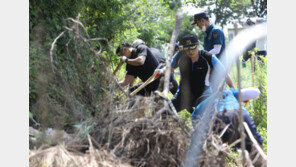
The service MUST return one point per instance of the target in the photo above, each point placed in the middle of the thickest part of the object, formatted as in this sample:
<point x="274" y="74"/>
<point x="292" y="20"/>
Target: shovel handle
<point x="148" y="81"/>
<point x="118" y="67"/>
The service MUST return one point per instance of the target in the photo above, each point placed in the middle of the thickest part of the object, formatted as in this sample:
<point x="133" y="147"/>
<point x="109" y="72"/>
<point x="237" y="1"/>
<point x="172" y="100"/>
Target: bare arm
<point x="229" y="81"/>
<point x="137" y="61"/>
<point x="129" y="79"/>
<point x="217" y="64"/>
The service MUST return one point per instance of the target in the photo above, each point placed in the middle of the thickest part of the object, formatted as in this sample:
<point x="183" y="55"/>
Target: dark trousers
<point x="174" y="86"/>
<point x="232" y="133"/>
<point x="193" y="102"/>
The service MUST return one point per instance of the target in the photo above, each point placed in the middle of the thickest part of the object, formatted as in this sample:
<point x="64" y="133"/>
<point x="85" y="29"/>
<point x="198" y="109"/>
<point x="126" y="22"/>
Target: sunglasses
<point x="190" y="47"/>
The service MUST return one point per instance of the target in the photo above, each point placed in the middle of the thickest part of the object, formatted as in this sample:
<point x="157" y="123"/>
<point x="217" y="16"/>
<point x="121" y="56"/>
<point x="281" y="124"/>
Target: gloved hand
<point x="160" y="71"/>
<point x="123" y="58"/>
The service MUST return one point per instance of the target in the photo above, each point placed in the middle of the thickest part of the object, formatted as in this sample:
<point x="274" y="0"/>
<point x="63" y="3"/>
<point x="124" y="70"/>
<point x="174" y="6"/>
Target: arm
<point x="218" y="41"/>
<point x="142" y="52"/>
<point x="229" y="81"/>
<point x="129" y="79"/>
<point x="217" y="64"/>
<point x="174" y="64"/>
<point x="216" y="49"/>
<point x="137" y="61"/>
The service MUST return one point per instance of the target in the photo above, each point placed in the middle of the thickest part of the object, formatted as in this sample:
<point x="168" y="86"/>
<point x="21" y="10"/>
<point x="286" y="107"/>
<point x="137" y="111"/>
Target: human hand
<point x="123" y="58"/>
<point x="160" y="71"/>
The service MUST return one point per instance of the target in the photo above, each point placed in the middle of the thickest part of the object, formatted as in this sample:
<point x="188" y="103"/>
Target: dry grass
<point x="59" y="156"/>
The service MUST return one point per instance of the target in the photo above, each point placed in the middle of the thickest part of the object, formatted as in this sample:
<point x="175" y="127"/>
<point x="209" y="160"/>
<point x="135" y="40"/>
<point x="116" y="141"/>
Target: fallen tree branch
<point x="178" y="24"/>
<point x="51" y="49"/>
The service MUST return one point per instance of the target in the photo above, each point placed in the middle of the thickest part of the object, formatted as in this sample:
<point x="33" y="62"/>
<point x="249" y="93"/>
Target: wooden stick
<point x="241" y="119"/>
<point x="224" y="130"/>
<point x="51" y="49"/>
<point x="148" y="81"/>
<point x="254" y="141"/>
<point x="118" y="67"/>
<point x="253" y="55"/>
<point x="234" y="143"/>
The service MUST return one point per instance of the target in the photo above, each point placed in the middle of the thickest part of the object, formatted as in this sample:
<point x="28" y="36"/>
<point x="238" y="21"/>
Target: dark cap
<point x="189" y="42"/>
<point x="198" y="16"/>
<point x="121" y="46"/>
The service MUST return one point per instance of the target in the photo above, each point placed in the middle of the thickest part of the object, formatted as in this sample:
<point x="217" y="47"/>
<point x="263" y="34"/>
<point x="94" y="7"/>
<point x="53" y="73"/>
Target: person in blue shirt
<point x="228" y="111"/>
<point x="174" y="59"/>
<point x="214" y="40"/>
<point x="195" y="70"/>
<point x="173" y="79"/>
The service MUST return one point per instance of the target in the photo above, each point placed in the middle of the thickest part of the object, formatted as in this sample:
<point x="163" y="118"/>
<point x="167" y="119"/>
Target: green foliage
<point x="259" y="8"/>
<point x="187" y="28"/>
<point x="257" y="107"/>
<point x="185" y="115"/>
<point x="77" y="90"/>
<point x="233" y="159"/>
<point x="226" y="11"/>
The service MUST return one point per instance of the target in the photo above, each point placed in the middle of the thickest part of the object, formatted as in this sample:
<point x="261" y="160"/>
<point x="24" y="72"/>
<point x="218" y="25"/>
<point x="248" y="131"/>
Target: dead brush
<point x="139" y="141"/>
<point x="138" y="131"/>
<point x="133" y="133"/>
<point x="60" y="156"/>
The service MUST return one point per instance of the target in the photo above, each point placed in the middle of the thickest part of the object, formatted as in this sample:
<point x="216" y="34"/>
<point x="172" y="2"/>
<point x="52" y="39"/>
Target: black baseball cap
<point x="121" y="46"/>
<point x="198" y="16"/>
<point x="189" y="42"/>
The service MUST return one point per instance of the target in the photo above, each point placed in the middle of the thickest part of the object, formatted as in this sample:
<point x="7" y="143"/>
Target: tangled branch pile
<point x="111" y="129"/>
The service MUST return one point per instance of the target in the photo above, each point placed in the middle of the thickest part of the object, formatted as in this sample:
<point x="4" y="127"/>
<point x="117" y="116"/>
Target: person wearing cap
<point x="195" y="69"/>
<point x="141" y="62"/>
<point x="214" y="40"/>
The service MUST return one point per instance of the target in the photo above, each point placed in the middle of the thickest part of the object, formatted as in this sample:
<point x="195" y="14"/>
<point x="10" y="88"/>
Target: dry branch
<point x="254" y="141"/>
<point x="179" y="18"/>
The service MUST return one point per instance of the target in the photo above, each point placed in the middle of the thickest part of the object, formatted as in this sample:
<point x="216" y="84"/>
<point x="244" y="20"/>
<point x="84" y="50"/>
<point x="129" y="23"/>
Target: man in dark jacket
<point x="195" y="69"/>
